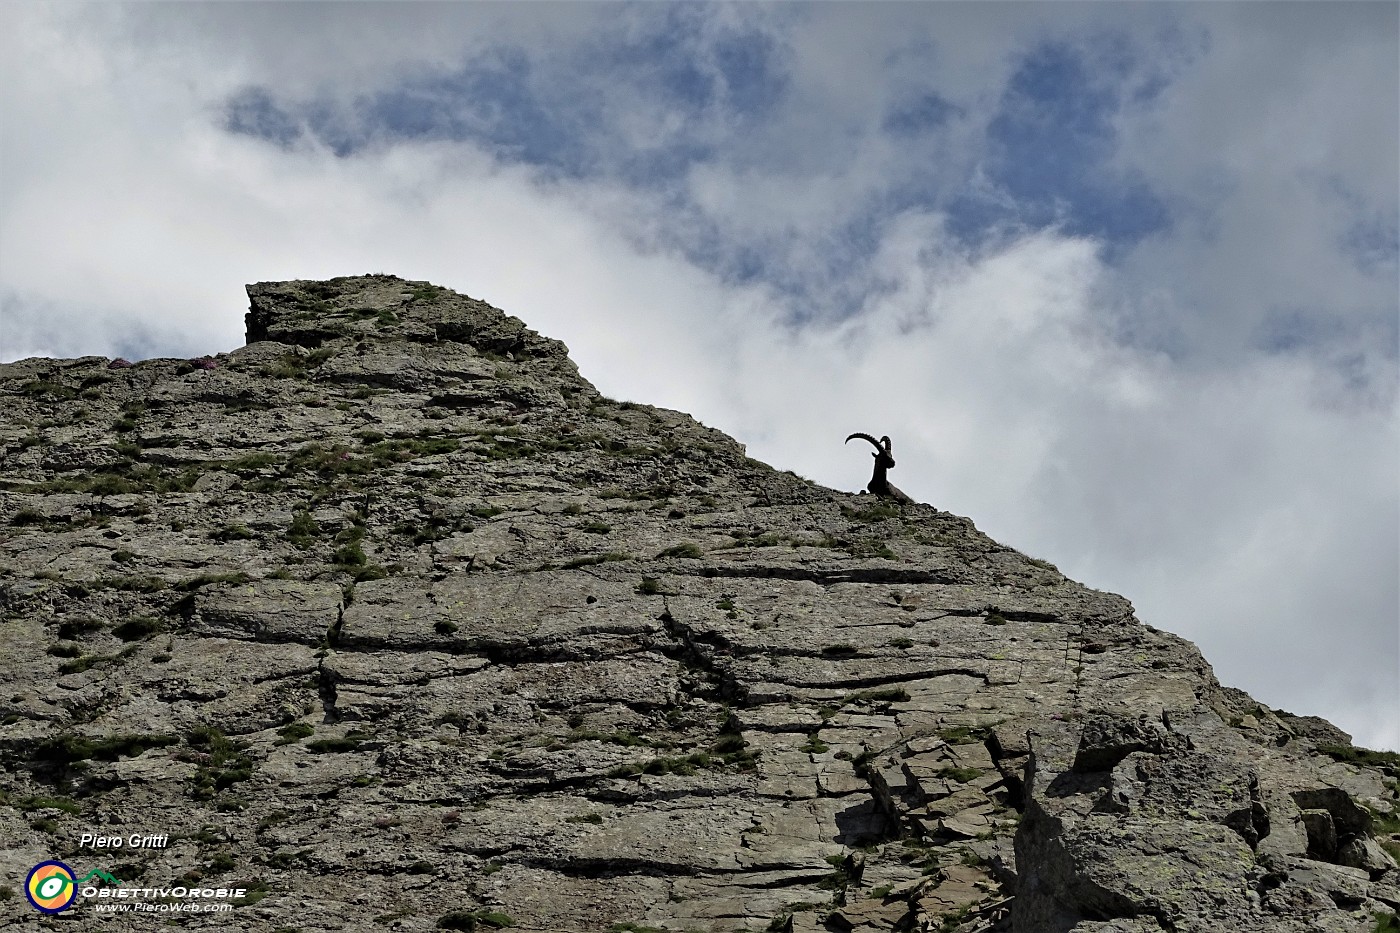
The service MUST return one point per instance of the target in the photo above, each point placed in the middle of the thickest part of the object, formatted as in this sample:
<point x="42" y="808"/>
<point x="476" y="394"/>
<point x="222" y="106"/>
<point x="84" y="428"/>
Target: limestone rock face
<point x="391" y="619"/>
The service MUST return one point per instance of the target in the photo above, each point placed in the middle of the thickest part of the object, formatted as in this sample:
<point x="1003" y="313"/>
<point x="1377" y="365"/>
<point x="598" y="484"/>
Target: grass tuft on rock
<point x="226" y="765"/>
<point x="138" y="629"/>
<point x="347" y="743"/>
<point x="293" y="733"/>
<point x="1388" y="762"/>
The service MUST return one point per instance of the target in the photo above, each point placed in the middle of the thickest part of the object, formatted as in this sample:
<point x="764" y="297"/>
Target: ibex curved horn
<point x="867" y="437"/>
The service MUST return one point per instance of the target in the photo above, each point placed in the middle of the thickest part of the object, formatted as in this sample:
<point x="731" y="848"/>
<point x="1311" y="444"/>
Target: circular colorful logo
<point x="50" y="887"/>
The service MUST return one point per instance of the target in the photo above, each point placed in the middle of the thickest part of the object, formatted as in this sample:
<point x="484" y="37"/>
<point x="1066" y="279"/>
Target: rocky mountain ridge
<point x="392" y="620"/>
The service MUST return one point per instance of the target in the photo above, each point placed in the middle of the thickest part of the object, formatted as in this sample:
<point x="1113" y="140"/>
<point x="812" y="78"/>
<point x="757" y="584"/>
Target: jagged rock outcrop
<point x="390" y="618"/>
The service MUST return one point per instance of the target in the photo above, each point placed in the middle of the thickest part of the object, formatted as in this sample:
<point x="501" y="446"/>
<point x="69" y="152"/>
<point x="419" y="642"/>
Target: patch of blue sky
<point x="688" y="64"/>
<point x="818" y="277"/>
<point x="925" y="113"/>
<point x="1049" y="148"/>
<point x="826" y="276"/>
<point x="1293" y="330"/>
<point x="1367" y="378"/>
<point x="1298" y="330"/>
<point x="656" y="52"/>
<point x="253" y="112"/>
<point x="492" y="101"/>
<point x="561" y="112"/>
<point x="1370" y="226"/>
<point x="1374" y="245"/>
<point x="754" y="75"/>
<point x="663" y="92"/>
<point x="747" y="265"/>
<point x="486" y="104"/>
<point x="337" y="129"/>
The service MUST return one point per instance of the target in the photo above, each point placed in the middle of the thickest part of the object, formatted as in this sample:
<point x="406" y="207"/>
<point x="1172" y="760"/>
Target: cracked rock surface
<point x="390" y="618"/>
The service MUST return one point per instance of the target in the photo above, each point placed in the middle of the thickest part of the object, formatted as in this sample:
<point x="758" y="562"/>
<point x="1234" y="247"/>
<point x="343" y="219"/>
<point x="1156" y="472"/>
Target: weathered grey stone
<point x="1347" y="817"/>
<point x="1322" y="834"/>
<point x="1287" y="835"/>
<point x="1364" y="853"/>
<point x="390" y="612"/>
<point x="269" y="610"/>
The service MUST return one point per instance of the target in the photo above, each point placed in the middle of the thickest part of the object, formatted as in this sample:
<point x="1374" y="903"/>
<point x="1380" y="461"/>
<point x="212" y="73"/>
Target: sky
<point x="1120" y="280"/>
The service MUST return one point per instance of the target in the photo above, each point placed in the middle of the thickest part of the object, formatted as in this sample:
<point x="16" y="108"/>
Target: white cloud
<point x="1243" y="499"/>
<point x="1277" y="139"/>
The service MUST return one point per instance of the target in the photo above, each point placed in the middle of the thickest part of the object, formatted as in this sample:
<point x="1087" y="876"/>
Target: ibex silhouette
<point x="884" y="462"/>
